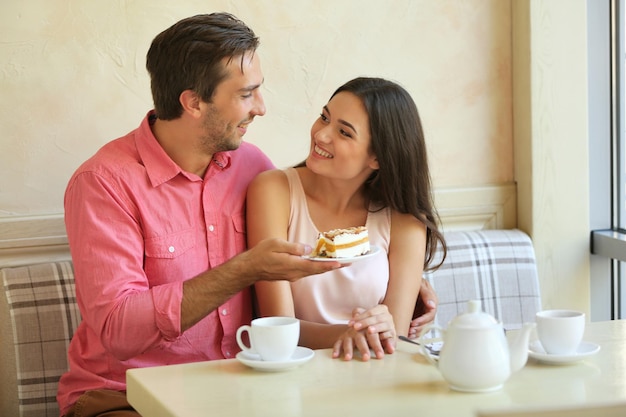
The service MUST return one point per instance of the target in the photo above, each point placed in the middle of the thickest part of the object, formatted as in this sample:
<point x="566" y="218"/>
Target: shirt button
<point x="228" y="354"/>
<point x="171" y="249"/>
<point x="211" y="228"/>
<point x="224" y="312"/>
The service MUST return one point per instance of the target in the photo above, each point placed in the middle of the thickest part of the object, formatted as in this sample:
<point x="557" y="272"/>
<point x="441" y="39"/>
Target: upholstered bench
<point x="39" y="314"/>
<point x="497" y="267"/>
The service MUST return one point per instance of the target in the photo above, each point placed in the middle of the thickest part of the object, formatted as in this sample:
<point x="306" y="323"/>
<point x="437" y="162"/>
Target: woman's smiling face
<point x="340" y="140"/>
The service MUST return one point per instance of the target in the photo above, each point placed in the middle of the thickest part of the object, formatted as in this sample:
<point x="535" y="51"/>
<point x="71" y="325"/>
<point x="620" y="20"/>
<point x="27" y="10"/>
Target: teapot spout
<point x="519" y="349"/>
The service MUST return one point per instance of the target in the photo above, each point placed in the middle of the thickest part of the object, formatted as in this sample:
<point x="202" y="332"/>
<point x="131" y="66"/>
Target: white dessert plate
<point x="300" y="356"/>
<point x="585" y="350"/>
<point x="373" y="251"/>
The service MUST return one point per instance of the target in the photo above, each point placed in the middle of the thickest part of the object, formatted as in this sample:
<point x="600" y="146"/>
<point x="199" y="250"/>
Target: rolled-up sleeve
<point x="129" y="313"/>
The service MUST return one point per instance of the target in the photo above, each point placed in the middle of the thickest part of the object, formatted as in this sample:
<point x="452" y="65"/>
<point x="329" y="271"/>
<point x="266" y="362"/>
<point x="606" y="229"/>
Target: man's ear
<point x="190" y="101"/>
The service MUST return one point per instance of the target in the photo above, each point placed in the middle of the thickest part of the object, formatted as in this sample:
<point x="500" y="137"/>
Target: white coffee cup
<point x="271" y="338"/>
<point x="560" y="331"/>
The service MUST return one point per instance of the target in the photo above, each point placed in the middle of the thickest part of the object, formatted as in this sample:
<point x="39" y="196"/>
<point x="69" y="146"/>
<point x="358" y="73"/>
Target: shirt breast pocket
<point x="239" y="238"/>
<point x="170" y="257"/>
<point x="170" y="246"/>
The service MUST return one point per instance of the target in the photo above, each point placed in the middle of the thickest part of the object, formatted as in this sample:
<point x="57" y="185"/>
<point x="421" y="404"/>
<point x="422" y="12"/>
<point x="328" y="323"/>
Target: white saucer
<point x="373" y="251"/>
<point x="300" y="356"/>
<point x="585" y="350"/>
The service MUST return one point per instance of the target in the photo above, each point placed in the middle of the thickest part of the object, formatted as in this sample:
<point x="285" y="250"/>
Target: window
<point x="607" y="140"/>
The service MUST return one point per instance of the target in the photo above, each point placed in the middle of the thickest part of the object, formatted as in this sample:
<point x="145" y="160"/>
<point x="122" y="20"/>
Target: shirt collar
<point x="222" y="159"/>
<point x="159" y="166"/>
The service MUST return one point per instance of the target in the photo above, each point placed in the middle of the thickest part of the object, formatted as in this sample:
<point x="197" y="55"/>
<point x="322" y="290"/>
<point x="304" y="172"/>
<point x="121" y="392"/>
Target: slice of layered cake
<point x="343" y="243"/>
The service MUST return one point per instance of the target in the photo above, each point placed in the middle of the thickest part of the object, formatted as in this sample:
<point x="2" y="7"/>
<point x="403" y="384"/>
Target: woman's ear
<point x="374" y="163"/>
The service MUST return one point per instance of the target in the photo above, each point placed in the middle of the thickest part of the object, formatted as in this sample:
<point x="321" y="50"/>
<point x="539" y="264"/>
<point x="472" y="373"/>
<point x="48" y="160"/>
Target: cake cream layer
<point x="349" y="252"/>
<point x="343" y="243"/>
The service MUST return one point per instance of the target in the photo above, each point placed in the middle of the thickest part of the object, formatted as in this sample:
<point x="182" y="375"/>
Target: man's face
<point x="235" y="103"/>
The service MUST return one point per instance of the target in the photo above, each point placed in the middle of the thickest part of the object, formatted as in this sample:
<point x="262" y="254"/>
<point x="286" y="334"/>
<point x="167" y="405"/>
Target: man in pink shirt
<point x="156" y="221"/>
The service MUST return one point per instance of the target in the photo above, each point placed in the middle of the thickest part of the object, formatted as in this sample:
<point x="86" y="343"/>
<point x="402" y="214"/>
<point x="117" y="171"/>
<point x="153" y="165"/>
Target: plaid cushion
<point x="495" y="266"/>
<point x="44" y="315"/>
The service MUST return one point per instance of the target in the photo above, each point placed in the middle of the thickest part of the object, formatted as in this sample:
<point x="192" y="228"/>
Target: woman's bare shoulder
<point x="272" y="178"/>
<point x="405" y="224"/>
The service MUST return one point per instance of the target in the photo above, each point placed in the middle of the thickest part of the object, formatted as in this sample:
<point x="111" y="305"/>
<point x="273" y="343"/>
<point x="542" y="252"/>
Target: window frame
<point x="606" y="149"/>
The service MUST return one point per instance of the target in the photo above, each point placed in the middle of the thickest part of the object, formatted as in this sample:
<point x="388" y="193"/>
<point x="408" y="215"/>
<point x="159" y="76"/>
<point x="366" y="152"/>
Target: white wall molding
<point x="477" y="208"/>
<point x="33" y="239"/>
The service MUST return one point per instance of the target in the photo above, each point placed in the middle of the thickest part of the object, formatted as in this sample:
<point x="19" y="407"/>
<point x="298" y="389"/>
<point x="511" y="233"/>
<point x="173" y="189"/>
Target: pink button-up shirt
<point x="138" y="226"/>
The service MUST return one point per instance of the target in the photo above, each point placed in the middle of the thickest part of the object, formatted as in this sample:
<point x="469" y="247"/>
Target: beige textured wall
<point x="72" y="77"/>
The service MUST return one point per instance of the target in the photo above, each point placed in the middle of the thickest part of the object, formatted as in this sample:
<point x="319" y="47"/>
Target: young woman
<point x="367" y="166"/>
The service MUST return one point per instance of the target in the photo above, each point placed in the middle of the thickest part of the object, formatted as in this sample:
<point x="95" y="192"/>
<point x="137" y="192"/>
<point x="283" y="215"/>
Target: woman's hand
<point x="371" y="329"/>
<point x="425" y="309"/>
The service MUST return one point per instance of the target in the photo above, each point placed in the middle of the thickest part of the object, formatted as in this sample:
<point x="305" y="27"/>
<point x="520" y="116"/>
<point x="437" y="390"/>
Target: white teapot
<point x="476" y="356"/>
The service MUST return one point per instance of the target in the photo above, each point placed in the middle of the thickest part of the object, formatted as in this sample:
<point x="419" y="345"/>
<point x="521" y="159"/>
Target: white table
<point x="400" y="385"/>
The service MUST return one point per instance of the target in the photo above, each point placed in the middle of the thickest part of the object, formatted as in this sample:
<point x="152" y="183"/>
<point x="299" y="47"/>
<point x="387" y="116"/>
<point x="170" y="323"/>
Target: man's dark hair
<point x="189" y="55"/>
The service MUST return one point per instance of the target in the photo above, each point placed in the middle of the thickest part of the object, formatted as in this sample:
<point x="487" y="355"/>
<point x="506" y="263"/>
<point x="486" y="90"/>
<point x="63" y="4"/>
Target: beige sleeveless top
<point x="331" y="297"/>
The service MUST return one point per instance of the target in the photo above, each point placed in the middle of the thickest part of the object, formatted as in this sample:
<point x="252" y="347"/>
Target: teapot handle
<point x="423" y="341"/>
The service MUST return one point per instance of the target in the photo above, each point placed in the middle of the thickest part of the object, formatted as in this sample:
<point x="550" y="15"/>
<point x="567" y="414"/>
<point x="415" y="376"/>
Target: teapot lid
<point x="474" y="317"/>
